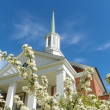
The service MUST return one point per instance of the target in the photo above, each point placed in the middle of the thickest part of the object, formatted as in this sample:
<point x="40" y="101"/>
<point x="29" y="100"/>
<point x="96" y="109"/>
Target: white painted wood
<point x="26" y="99"/>
<point x="69" y="73"/>
<point x="60" y="77"/>
<point x="40" y="60"/>
<point x="74" y="85"/>
<point x="54" y="47"/>
<point x="10" y="79"/>
<point x="32" y="101"/>
<point x="10" y="95"/>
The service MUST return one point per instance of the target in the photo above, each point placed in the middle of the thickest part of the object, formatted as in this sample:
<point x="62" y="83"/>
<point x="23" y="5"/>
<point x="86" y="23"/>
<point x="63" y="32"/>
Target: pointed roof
<point x="53" y="23"/>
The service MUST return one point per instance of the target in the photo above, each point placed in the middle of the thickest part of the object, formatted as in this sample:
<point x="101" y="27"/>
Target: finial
<point x="53" y="23"/>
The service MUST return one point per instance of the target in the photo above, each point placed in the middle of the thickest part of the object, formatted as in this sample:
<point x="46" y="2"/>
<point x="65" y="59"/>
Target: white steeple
<point x="53" y="40"/>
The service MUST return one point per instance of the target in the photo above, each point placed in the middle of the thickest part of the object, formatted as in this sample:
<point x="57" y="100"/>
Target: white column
<point x="60" y="77"/>
<point x="52" y="41"/>
<point x="26" y="99"/>
<point x="10" y="95"/>
<point x="32" y="101"/>
<point x="74" y="85"/>
<point x="46" y="42"/>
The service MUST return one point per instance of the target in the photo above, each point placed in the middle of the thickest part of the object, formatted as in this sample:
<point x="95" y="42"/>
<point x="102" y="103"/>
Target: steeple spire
<point x="53" y="23"/>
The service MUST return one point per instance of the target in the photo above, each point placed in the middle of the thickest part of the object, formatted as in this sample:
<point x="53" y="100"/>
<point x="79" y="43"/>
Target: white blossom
<point x="81" y="99"/>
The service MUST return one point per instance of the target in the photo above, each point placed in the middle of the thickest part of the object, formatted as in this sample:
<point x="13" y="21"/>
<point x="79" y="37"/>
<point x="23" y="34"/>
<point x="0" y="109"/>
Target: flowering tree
<point x="81" y="99"/>
<point x="108" y="78"/>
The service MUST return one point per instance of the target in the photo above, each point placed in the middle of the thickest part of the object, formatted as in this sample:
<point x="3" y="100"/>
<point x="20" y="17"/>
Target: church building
<point x="51" y="63"/>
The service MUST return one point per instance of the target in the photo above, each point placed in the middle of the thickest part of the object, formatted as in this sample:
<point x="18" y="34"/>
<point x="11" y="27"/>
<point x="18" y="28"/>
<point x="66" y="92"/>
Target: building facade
<point x="51" y="63"/>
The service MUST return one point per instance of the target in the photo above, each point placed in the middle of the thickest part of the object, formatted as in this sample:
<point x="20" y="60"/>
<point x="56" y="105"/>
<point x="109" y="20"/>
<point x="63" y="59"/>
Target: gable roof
<point x="43" y="59"/>
<point x="82" y="66"/>
<point x="37" y="52"/>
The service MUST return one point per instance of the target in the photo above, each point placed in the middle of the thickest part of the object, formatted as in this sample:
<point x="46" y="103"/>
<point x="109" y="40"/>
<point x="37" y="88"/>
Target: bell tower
<point x="53" y="40"/>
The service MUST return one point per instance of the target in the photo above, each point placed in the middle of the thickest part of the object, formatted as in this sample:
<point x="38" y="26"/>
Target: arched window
<point x="49" y="40"/>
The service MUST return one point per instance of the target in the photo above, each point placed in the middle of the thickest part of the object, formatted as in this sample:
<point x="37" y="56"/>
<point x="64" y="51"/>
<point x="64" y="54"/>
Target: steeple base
<point x="54" y="52"/>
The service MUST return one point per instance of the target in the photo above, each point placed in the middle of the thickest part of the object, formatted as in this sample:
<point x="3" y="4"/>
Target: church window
<point x="49" y="40"/>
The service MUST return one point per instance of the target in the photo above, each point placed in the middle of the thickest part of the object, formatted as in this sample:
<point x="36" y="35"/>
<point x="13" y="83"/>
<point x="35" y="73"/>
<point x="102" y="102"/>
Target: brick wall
<point x="94" y="86"/>
<point x="104" y="97"/>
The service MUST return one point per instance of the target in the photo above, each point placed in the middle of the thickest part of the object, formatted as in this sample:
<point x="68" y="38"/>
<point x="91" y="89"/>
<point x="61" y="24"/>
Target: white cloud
<point x="32" y="30"/>
<point x="71" y="35"/>
<point x="29" y="30"/>
<point x="2" y="63"/>
<point x="75" y="39"/>
<point x="79" y="60"/>
<point x="104" y="47"/>
<point x="72" y="39"/>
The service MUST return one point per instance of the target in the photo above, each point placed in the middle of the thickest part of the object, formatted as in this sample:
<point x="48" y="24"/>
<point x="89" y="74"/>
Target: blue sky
<point x="84" y="26"/>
